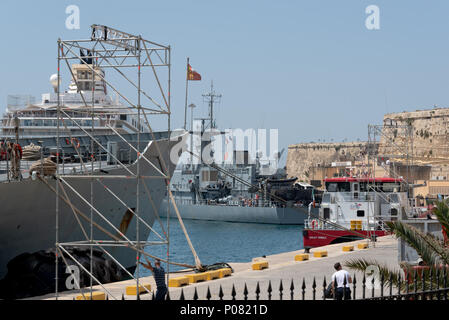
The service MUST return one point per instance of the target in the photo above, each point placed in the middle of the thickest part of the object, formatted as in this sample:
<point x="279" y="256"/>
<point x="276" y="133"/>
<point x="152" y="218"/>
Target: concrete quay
<point x="281" y="267"/>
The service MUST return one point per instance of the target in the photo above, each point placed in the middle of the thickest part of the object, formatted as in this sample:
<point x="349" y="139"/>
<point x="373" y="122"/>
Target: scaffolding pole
<point x="386" y="141"/>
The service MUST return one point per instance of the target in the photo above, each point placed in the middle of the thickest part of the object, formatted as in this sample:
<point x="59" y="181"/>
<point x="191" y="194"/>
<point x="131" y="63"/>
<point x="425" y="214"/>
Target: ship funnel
<point x="54" y="81"/>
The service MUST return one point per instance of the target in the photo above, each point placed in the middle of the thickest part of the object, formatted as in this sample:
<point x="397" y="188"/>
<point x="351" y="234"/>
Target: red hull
<point x="317" y="238"/>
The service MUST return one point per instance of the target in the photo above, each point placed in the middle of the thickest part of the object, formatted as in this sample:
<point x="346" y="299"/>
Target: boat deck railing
<point x="351" y="196"/>
<point x="236" y="203"/>
<point x="378" y="222"/>
<point x="64" y="168"/>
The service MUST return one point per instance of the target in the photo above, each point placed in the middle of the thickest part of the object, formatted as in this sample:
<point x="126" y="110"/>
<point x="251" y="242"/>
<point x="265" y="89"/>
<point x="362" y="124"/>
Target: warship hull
<point x="269" y="215"/>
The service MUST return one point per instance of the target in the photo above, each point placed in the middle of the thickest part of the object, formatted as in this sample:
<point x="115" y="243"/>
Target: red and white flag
<point x="192" y="74"/>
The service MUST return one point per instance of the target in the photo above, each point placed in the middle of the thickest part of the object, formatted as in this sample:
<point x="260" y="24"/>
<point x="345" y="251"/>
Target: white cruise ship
<point x="40" y="119"/>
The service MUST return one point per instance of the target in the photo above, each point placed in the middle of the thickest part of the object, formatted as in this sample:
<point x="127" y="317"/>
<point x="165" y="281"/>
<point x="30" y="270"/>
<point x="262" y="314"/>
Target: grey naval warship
<point x="244" y="190"/>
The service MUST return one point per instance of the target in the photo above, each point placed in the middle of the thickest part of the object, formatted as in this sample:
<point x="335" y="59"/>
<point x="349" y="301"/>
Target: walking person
<point x="159" y="278"/>
<point x="341" y="279"/>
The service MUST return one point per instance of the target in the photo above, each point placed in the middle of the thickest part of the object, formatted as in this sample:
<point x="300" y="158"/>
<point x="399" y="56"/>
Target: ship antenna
<point x="211" y="98"/>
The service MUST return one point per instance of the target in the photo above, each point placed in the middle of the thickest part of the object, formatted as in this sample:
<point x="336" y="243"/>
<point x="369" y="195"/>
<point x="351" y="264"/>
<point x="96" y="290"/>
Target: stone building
<point x="421" y="158"/>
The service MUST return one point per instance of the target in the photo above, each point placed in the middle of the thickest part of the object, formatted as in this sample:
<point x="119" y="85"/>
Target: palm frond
<point x="410" y="279"/>
<point x="442" y="212"/>
<point x="439" y="246"/>
<point x="360" y="264"/>
<point x="429" y="250"/>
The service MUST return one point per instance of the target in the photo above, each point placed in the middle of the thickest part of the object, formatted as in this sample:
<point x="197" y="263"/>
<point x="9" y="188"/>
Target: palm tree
<point x="433" y="251"/>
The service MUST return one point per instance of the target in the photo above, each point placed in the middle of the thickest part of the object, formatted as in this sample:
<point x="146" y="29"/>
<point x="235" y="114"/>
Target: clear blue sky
<point x="308" y="68"/>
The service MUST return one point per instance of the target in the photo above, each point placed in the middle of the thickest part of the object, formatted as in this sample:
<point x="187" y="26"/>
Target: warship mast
<point x="211" y="98"/>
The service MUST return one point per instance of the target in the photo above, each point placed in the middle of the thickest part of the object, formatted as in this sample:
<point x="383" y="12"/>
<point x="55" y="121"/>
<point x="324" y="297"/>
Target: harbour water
<point x="224" y="241"/>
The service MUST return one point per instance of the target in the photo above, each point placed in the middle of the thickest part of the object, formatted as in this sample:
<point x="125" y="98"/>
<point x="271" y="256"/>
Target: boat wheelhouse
<point x="355" y="208"/>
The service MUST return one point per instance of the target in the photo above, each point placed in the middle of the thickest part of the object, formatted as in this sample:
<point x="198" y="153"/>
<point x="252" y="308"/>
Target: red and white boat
<point x="355" y="208"/>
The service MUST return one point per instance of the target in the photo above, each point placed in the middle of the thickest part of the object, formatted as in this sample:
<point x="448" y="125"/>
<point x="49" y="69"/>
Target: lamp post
<point x="191" y="106"/>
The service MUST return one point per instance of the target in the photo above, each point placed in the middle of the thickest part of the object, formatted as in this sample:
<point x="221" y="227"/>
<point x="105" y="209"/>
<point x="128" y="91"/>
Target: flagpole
<point x="187" y="86"/>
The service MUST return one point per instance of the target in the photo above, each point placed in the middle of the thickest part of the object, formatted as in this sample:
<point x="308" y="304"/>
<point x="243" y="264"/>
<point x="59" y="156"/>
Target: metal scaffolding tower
<point x="136" y="63"/>
<point x="389" y="143"/>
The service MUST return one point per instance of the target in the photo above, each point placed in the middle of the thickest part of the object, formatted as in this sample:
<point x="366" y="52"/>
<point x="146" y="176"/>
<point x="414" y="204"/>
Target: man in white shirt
<point x="340" y="283"/>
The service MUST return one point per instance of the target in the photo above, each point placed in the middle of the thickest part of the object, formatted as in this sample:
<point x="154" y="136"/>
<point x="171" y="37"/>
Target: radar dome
<point x="54" y="81"/>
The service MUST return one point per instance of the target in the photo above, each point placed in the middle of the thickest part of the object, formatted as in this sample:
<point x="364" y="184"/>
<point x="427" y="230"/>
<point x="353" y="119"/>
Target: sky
<point x="311" y="69"/>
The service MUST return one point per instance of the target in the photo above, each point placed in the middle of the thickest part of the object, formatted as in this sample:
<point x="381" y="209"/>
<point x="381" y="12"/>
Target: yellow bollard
<point x="97" y="295"/>
<point x="301" y="257"/>
<point x="259" y="265"/>
<point x="320" y="254"/>
<point x="213" y="274"/>
<point x="178" y="282"/>
<point x="224" y="272"/>
<point x="363" y="245"/>
<point x="132" y="290"/>
<point x="197" y="277"/>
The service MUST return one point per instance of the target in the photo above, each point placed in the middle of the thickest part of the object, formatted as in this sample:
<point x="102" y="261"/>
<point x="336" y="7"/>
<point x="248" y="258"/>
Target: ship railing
<point x="5" y="166"/>
<point x="66" y="166"/>
<point x="313" y="223"/>
<point x="380" y="193"/>
<point x="236" y="203"/>
<point x="351" y="196"/>
<point x="359" y="196"/>
<point x="381" y="222"/>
